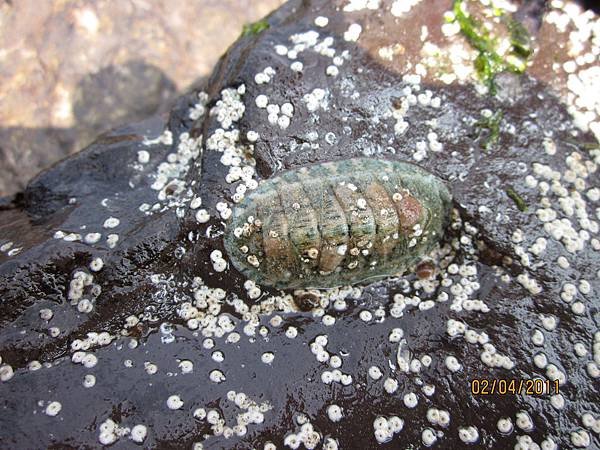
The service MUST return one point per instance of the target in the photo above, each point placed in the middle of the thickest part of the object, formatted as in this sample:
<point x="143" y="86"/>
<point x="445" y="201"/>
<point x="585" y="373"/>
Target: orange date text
<point x="513" y="386"/>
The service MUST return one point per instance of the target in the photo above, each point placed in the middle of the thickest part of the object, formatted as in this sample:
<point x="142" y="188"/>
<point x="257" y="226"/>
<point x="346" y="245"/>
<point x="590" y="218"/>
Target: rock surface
<point x="113" y="268"/>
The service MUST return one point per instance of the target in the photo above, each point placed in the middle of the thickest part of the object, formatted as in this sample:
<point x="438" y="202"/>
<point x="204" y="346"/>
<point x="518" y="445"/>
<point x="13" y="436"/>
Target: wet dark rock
<point x="150" y="271"/>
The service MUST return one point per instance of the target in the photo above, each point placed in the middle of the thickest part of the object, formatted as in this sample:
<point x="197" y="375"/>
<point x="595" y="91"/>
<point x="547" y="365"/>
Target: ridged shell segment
<point x="337" y="223"/>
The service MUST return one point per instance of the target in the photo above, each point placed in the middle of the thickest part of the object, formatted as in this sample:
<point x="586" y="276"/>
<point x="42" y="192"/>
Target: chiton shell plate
<point x="337" y="223"/>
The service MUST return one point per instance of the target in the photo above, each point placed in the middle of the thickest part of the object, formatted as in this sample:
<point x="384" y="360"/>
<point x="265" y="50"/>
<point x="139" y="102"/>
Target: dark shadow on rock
<point x="113" y="96"/>
<point x="119" y="94"/>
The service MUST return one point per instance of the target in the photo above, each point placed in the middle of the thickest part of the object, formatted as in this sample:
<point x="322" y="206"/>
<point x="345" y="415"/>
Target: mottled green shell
<point x="337" y="223"/>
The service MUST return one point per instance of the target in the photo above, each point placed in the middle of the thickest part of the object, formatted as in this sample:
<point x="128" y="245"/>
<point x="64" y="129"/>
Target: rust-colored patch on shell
<point x="409" y="210"/>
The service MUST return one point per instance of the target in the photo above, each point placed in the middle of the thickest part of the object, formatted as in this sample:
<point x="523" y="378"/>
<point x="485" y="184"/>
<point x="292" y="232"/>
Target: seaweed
<point x="512" y="194"/>
<point x="584" y="145"/>
<point x="519" y="39"/>
<point x="489" y="62"/>
<point x="251" y="29"/>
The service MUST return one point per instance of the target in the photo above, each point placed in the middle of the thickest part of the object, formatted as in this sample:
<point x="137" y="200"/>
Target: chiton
<point x="337" y="223"/>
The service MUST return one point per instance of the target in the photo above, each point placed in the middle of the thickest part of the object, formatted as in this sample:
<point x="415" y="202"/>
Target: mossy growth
<point x="489" y="61"/>
<point x="492" y="125"/>
<point x="251" y="29"/>
<point x="584" y="145"/>
<point x="512" y="194"/>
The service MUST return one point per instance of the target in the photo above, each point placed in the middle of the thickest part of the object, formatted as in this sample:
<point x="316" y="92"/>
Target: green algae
<point x="252" y="29"/>
<point x="512" y="194"/>
<point x="489" y="62"/>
